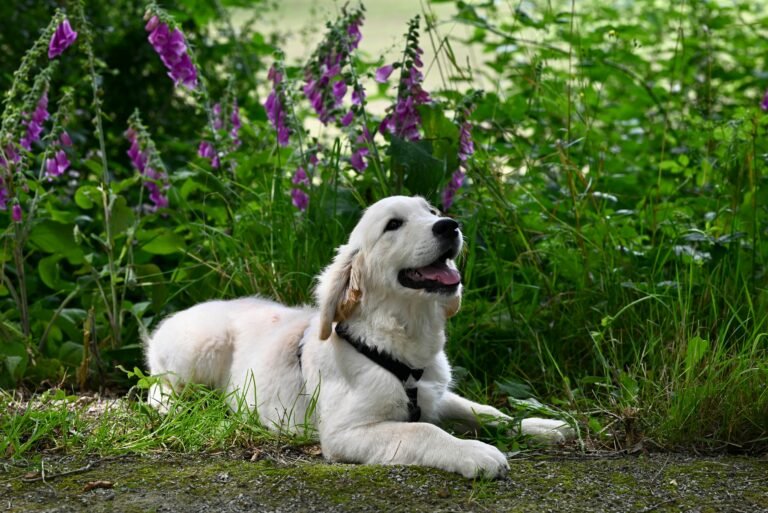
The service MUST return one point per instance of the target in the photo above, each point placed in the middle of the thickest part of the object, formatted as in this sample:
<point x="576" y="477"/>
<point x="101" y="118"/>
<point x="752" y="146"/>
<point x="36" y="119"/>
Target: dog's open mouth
<point x="435" y="277"/>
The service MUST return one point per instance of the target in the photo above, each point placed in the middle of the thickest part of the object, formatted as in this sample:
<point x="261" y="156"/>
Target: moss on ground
<point x="287" y="482"/>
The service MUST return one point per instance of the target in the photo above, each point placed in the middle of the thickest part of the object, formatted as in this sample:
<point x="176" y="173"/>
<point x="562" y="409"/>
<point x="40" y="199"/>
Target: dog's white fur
<point x="249" y="347"/>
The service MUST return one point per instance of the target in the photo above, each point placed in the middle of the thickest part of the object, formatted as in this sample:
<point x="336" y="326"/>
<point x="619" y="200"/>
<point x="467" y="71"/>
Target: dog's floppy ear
<point x="339" y="289"/>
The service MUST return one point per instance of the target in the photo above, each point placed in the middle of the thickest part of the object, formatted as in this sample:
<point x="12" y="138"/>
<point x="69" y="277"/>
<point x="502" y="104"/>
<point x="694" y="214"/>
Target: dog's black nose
<point x="446" y="228"/>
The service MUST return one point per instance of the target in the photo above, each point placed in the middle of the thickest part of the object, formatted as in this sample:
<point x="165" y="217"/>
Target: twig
<point x="45" y="478"/>
<point x="658" y="505"/>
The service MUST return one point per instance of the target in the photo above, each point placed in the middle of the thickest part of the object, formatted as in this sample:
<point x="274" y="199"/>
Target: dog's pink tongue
<point x="442" y="273"/>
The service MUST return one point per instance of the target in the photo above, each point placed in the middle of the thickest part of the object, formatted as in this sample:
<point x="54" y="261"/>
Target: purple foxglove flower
<point x="172" y="49"/>
<point x="330" y="72"/>
<point x="339" y="91"/>
<point x="206" y="150"/>
<point x="357" y="159"/>
<point x="62" y="39"/>
<point x="236" y="124"/>
<point x="158" y="198"/>
<point x="456" y="182"/>
<point x="11" y="155"/>
<point x="35" y="123"/>
<point x="65" y="139"/>
<point x="184" y="72"/>
<point x="158" y="36"/>
<point x="51" y="168"/>
<point x="176" y="46"/>
<point x="466" y="146"/>
<point x="271" y="105"/>
<point x="764" y="103"/>
<point x="387" y="125"/>
<point x="274" y="75"/>
<point x="325" y="86"/>
<point x="138" y="157"/>
<point x="152" y="174"/>
<point x="358" y="95"/>
<point x="275" y="110"/>
<point x="57" y="165"/>
<point x="155" y="181"/>
<point x="16" y="213"/>
<point x="383" y="73"/>
<point x="4" y="195"/>
<point x="348" y="118"/>
<point x="218" y="124"/>
<point x="283" y="135"/>
<point x="403" y="119"/>
<point x="300" y="177"/>
<point x="300" y="199"/>
<point x="354" y="32"/>
<point x="152" y="24"/>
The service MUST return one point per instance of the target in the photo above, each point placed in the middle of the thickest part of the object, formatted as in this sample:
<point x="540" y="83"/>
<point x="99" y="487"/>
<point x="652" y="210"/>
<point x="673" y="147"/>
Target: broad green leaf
<point x="163" y="242"/>
<point x="56" y="238"/>
<point x="121" y="218"/>
<point x="48" y="268"/>
<point x="86" y="196"/>
<point x="424" y="174"/>
<point x="71" y="353"/>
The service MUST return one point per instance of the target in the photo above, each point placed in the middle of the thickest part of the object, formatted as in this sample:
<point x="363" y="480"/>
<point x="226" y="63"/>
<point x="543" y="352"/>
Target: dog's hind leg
<point x="159" y="396"/>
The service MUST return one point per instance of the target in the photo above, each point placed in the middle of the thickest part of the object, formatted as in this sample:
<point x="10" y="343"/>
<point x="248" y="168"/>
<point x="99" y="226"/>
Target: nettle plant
<point x="104" y="229"/>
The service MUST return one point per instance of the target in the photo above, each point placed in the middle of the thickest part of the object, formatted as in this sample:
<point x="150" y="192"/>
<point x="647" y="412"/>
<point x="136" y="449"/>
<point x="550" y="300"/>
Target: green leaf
<point x="119" y="186"/>
<point x="163" y="242"/>
<point x="121" y="217"/>
<point x="71" y="353"/>
<point x="50" y="274"/>
<point x="514" y="389"/>
<point x="56" y="238"/>
<point x="424" y="174"/>
<point x="86" y="196"/>
<point x="594" y="425"/>
<point x="436" y="125"/>
<point x="14" y="362"/>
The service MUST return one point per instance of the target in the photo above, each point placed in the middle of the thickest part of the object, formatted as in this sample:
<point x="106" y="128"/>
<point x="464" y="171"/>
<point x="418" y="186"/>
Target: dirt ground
<point x="302" y="483"/>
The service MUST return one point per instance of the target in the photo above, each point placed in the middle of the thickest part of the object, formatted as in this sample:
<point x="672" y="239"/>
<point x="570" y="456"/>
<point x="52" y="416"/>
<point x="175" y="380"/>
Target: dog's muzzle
<point x="438" y="276"/>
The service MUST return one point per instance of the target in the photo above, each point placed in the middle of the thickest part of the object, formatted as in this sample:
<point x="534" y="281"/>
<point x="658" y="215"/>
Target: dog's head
<point x="401" y="249"/>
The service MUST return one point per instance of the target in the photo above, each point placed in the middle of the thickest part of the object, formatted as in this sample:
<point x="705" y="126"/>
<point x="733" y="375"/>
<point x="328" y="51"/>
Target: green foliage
<point x="615" y="208"/>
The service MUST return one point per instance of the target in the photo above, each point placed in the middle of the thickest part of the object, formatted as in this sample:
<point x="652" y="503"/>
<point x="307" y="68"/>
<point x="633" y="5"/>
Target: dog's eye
<point x="433" y="211"/>
<point x="393" y="224"/>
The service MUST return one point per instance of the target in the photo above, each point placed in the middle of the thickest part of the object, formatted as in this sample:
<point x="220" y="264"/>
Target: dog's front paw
<point x="548" y="431"/>
<point x="478" y="459"/>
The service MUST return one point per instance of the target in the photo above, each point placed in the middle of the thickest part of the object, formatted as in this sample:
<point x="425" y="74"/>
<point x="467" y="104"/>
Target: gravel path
<point x="302" y="482"/>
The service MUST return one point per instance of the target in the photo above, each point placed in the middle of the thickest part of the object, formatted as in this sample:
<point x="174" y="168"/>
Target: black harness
<point x="407" y="375"/>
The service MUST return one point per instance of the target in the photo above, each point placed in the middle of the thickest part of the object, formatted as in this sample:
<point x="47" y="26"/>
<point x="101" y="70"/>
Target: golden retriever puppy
<point x="366" y="368"/>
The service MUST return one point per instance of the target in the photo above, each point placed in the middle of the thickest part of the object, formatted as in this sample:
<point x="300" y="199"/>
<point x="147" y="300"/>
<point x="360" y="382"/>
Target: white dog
<point x="375" y="386"/>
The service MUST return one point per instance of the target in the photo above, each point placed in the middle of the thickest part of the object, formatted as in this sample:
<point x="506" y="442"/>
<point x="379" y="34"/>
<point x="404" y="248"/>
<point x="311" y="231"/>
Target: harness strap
<point x="408" y="376"/>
